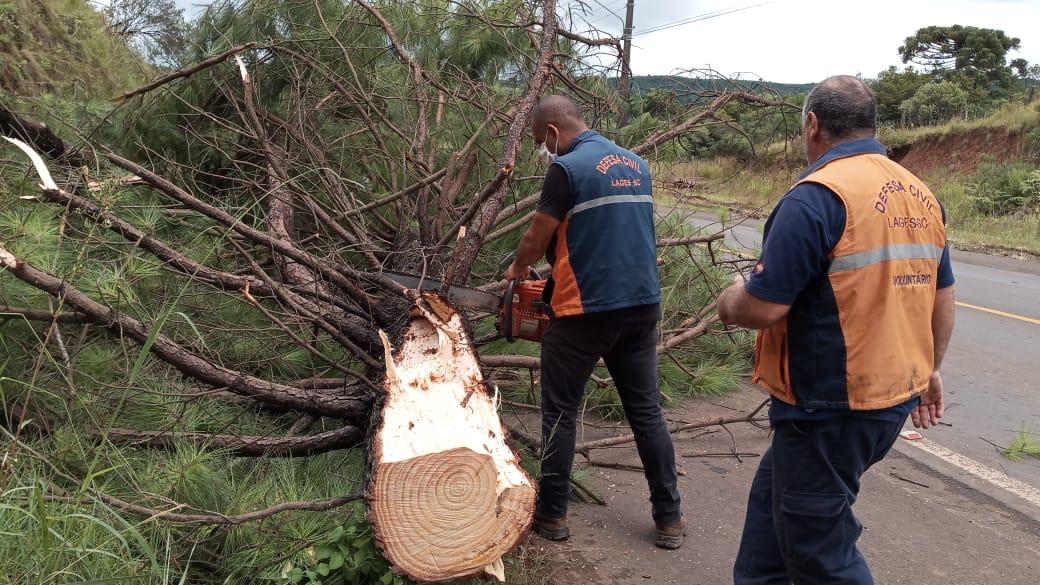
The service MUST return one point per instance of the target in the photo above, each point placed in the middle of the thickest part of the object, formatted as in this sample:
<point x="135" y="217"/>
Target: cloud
<point x="793" y="41"/>
<point x="805" y="40"/>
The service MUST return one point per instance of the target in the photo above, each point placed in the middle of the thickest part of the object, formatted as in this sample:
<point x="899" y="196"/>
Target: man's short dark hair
<point x="843" y="105"/>
<point x="557" y="109"/>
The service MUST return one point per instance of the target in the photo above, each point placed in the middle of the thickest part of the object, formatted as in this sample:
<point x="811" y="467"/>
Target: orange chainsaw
<point x="520" y="309"/>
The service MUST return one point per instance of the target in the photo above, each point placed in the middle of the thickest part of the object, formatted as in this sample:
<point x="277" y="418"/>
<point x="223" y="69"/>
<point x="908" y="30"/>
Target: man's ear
<point x="812" y="126"/>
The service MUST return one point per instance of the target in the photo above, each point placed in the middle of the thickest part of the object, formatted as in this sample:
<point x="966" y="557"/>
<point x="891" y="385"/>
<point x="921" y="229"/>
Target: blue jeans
<point x="800" y="527"/>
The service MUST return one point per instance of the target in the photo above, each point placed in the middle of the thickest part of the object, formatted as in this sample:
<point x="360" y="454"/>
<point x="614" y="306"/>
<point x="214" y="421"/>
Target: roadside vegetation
<point x="986" y="172"/>
<point x="964" y="105"/>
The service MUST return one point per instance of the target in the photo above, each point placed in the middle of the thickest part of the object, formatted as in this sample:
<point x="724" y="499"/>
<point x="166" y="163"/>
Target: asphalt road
<point x="992" y="369"/>
<point x="920" y="528"/>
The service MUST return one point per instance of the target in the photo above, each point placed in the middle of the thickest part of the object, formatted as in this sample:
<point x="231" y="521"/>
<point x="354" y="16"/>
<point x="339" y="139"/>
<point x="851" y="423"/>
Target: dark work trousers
<point x="799" y="527"/>
<point x="627" y="341"/>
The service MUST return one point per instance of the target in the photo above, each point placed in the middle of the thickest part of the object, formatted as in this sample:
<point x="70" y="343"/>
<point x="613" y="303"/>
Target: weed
<point x="1025" y="444"/>
<point x="347" y="556"/>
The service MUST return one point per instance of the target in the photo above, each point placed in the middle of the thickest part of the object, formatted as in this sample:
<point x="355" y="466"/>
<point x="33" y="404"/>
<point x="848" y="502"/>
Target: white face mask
<point x="545" y="155"/>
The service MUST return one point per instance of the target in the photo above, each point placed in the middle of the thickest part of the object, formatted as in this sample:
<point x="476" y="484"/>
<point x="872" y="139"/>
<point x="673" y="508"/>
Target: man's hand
<point x="533" y="245"/>
<point x="725" y="305"/>
<point x="928" y="413"/>
<point x="517" y="271"/>
<point x="739" y="307"/>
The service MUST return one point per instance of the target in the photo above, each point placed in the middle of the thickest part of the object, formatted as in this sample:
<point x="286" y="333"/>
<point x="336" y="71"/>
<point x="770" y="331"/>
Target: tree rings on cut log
<point x="448" y="496"/>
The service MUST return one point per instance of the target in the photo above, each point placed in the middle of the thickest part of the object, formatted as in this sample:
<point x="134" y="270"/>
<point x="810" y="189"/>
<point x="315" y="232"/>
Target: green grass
<point x="1011" y="117"/>
<point x="61" y="47"/>
<point x="967" y="228"/>
<point x="719" y="183"/>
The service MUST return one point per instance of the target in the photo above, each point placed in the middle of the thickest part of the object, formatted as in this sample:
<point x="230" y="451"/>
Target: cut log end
<point x="448" y="497"/>
<point x="440" y="516"/>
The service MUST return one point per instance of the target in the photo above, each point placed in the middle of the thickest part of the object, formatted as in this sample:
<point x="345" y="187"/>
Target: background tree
<point x="893" y="87"/>
<point x="155" y="28"/>
<point x="1030" y="76"/>
<point x="1020" y="66"/>
<point x="975" y="58"/>
<point x="662" y="103"/>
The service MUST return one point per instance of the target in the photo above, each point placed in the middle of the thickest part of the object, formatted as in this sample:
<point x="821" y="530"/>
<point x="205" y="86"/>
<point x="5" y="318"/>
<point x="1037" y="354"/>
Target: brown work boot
<point x="671" y="537"/>
<point x="554" y="529"/>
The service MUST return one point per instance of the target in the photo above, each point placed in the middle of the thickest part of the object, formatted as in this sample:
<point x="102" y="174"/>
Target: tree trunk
<point x="448" y="496"/>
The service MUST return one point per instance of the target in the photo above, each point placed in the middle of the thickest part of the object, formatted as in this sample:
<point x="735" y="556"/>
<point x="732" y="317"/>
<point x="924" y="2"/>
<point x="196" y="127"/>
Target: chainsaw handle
<point x="507" y="310"/>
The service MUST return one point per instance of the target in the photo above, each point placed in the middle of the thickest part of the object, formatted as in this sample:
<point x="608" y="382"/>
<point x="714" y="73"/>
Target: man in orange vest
<point x="853" y="297"/>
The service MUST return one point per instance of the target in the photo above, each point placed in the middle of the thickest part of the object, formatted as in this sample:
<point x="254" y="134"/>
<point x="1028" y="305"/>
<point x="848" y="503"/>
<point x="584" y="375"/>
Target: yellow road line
<point x="1001" y="313"/>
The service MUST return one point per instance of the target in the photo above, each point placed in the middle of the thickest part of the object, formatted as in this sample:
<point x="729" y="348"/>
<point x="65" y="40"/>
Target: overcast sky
<point x="797" y="41"/>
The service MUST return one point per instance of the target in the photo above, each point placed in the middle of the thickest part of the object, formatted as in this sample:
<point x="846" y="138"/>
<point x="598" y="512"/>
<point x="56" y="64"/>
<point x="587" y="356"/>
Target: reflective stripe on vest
<point x="609" y="200"/>
<point x="886" y="253"/>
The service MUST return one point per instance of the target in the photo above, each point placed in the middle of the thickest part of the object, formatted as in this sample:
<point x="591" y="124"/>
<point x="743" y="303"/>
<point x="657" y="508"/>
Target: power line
<point x="700" y="17"/>
<point x="604" y="7"/>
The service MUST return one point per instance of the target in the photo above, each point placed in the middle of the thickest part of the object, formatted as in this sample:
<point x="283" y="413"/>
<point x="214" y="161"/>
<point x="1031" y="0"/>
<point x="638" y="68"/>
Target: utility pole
<point x="626" y="59"/>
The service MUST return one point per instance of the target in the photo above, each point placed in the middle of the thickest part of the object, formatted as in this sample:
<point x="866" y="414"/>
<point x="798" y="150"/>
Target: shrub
<point x="1031" y="149"/>
<point x="999" y="189"/>
<point x="934" y="103"/>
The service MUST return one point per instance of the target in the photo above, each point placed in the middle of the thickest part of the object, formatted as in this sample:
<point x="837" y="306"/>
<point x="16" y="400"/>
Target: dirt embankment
<point x="961" y="151"/>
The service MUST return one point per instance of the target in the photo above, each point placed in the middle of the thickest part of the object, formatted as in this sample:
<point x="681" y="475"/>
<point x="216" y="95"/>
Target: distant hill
<point x="645" y="83"/>
<point x="63" y="47"/>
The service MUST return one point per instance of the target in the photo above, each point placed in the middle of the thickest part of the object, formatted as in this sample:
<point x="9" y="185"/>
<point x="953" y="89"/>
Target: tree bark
<point x="241" y="446"/>
<point x="39" y="136"/>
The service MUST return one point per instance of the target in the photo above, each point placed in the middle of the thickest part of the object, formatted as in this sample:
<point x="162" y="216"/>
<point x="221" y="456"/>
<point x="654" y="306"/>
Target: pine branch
<point x="7" y="312"/>
<point x="272" y="393"/>
<point x="171" y="515"/>
<point x="345" y="277"/>
<point x="465" y="253"/>
<point x="187" y="71"/>
<point x="239" y="446"/>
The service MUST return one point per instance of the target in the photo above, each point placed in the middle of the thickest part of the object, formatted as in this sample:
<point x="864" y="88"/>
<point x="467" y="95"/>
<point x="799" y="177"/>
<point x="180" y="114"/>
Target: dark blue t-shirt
<point x="800" y="234"/>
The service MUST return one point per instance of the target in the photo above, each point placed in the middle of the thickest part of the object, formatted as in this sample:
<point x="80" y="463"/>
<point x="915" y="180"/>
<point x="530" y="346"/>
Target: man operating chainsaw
<point x="595" y="225"/>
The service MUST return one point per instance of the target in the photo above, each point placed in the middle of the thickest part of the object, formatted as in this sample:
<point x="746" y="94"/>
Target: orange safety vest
<point x="883" y="273"/>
